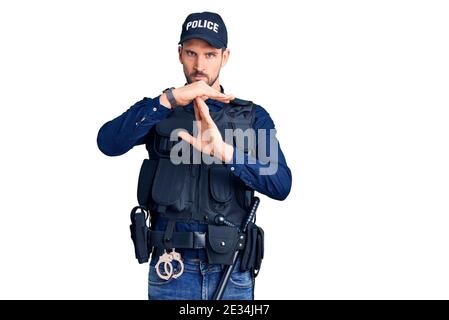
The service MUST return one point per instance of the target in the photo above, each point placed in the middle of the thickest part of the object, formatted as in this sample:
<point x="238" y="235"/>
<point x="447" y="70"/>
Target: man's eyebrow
<point x="208" y="52"/>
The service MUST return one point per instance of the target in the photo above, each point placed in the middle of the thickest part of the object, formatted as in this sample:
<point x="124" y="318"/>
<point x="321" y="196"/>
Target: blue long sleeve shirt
<point x="121" y="134"/>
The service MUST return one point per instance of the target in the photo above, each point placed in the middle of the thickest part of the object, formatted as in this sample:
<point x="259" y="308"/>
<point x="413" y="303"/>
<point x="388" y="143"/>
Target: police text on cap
<point x="202" y="24"/>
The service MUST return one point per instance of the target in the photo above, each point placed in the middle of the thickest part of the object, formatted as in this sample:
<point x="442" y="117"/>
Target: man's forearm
<point x="121" y="134"/>
<point x="265" y="171"/>
<point x="276" y="185"/>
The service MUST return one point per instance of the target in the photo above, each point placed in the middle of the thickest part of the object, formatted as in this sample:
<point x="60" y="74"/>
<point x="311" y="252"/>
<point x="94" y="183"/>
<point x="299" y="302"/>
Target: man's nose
<point x="200" y="64"/>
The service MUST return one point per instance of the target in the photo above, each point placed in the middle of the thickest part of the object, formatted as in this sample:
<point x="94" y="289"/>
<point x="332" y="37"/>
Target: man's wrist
<point x="164" y="101"/>
<point x="170" y="97"/>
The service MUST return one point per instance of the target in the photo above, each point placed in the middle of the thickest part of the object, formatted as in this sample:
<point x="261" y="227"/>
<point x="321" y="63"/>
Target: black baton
<point x="228" y="269"/>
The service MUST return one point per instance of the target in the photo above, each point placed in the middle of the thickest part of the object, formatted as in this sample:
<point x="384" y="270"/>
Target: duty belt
<point x="183" y="240"/>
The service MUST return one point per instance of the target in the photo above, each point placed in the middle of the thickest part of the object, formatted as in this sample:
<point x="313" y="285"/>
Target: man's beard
<point x="194" y="74"/>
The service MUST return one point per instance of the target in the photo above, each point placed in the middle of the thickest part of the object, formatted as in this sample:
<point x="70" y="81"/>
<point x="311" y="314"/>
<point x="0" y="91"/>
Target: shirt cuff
<point x="158" y="111"/>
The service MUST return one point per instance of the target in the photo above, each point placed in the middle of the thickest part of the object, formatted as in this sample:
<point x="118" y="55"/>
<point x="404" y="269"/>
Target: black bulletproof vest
<point x="195" y="192"/>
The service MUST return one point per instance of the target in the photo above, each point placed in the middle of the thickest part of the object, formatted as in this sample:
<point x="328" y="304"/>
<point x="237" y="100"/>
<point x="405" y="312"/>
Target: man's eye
<point x="190" y="53"/>
<point x="210" y="55"/>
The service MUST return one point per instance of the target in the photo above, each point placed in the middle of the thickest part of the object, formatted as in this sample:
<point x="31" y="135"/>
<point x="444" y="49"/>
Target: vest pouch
<point x="220" y="188"/>
<point x="243" y="194"/>
<point x="221" y="244"/>
<point x="164" y="130"/>
<point x="168" y="190"/>
<point x="146" y="177"/>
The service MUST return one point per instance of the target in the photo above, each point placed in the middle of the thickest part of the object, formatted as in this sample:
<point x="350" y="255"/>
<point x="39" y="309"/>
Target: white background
<point x="358" y="91"/>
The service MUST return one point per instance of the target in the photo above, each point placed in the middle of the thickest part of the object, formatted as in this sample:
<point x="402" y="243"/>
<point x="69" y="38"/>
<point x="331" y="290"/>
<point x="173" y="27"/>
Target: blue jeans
<point x="199" y="282"/>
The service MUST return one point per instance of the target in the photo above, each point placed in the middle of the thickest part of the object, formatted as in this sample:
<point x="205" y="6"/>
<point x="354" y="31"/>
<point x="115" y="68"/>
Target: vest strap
<point x="168" y="234"/>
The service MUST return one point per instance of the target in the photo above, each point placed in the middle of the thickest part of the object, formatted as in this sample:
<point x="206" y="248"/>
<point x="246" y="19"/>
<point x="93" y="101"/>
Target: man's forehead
<point x="198" y="44"/>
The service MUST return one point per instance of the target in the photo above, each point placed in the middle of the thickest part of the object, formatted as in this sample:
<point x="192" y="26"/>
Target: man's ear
<point x="226" y="54"/>
<point x="180" y="53"/>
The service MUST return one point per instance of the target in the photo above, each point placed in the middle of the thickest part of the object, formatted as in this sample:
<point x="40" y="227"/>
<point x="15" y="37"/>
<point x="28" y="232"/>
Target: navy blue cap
<point x="207" y="26"/>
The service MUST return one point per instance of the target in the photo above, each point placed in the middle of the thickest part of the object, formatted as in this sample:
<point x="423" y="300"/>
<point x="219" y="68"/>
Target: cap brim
<point x="213" y="42"/>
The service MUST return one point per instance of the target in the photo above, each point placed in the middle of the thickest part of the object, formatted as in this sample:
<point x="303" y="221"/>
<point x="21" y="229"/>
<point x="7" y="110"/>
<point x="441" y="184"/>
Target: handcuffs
<point x="166" y="259"/>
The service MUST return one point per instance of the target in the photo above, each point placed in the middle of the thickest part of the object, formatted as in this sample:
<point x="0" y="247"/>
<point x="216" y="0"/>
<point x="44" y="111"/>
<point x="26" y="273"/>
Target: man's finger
<point x="188" y="138"/>
<point x="212" y="93"/>
<point x="226" y="100"/>
<point x="203" y="109"/>
<point x="197" y="113"/>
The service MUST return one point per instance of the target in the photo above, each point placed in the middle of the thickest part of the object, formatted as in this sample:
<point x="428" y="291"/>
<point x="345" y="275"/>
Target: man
<point x="199" y="201"/>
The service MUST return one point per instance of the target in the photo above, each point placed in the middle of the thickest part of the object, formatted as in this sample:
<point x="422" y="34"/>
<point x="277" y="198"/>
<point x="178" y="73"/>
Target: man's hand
<point x="209" y="139"/>
<point x="184" y="95"/>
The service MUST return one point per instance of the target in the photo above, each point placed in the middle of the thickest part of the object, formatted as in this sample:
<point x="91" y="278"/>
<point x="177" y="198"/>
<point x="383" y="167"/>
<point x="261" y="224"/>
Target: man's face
<point x="201" y="61"/>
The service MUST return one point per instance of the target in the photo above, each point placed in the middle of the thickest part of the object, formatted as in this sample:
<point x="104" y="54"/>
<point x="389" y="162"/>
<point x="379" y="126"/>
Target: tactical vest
<point x="196" y="192"/>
